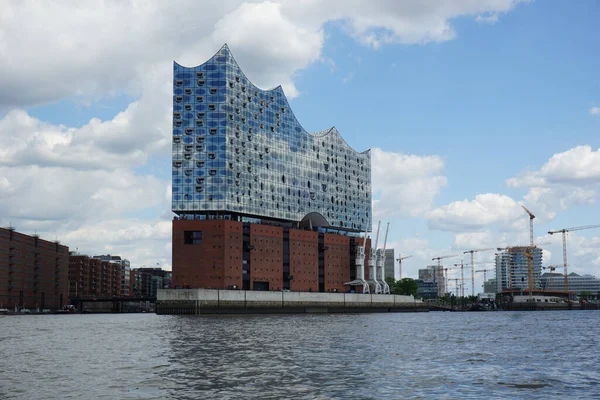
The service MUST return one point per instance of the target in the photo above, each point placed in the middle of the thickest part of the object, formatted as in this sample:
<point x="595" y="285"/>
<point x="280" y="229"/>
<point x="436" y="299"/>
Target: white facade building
<point x="577" y="283"/>
<point x="512" y="268"/>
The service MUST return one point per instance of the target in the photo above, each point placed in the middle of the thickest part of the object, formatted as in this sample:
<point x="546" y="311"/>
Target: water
<point x="500" y="355"/>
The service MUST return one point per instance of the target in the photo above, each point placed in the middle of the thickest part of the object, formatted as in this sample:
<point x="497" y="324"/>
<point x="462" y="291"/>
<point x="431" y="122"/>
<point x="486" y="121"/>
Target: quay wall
<point x="212" y="301"/>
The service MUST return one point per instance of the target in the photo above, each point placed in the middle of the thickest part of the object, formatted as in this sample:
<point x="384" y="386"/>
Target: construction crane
<point x="552" y="268"/>
<point x="371" y="262"/>
<point x="446" y="278"/>
<point x="529" y="254"/>
<point x="462" y="278"/>
<point x="456" y="285"/>
<point x="473" y="266"/>
<point x="484" y="273"/>
<point x="380" y="264"/>
<point x="564" y="241"/>
<point x="399" y="259"/>
<point x="529" y="271"/>
<point x="439" y="272"/>
<point x="531" y="217"/>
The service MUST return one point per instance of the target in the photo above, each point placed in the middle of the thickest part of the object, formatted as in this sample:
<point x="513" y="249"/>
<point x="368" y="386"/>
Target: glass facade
<point x="577" y="283"/>
<point x="512" y="268"/>
<point x="240" y="149"/>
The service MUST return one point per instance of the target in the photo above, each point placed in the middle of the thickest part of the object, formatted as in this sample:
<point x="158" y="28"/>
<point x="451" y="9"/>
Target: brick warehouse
<point x="33" y="272"/>
<point x="261" y="204"/>
<point x="220" y="254"/>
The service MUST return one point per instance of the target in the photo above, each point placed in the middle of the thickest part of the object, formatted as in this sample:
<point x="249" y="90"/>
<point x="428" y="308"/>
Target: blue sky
<point x="471" y="109"/>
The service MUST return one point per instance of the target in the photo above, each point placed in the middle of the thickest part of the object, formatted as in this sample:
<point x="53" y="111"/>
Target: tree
<point x="586" y="295"/>
<point x="392" y="284"/>
<point x="406" y="286"/>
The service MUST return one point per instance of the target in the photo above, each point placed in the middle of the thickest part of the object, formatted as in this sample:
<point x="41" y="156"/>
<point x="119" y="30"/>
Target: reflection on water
<point x="502" y="355"/>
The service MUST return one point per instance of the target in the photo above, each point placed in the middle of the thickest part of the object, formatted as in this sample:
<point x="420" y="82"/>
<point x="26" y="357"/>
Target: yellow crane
<point x="473" y="266"/>
<point x="529" y="271"/>
<point x="529" y="254"/>
<point x="399" y="259"/>
<point x="552" y="268"/>
<point x="439" y="272"/>
<point x="564" y="241"/>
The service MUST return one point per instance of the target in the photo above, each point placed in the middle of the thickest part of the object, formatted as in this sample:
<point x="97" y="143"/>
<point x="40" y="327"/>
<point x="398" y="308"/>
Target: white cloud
<point x="473" y="240"/>
<point x="566" y="180"/>
<point x="271" y="39"/>
<point x="595" y="110"/>
<point x="487" y="19"/>
<point x="125" y="141"/>
<point x="65" y="195"/>
<point x="471" y="215"/>
<point x="405" y="184"/>
<point x="141" y="242"/>
<point x="291" y="44"/>
<point x="82" y="183"/>
<point x="578" y="165"/>
<point x="376" y="23"/>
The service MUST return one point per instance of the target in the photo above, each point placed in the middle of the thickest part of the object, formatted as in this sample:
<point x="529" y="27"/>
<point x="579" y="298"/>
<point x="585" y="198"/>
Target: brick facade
<point x="304" y="261"/>
<point x="220" y="254"/>
<point x="92" y="277"/>
<point x="214" y="261"/>
<point x="266" y="259"/>
<point x="33" y="272"/>
<point x="337" y="262"/>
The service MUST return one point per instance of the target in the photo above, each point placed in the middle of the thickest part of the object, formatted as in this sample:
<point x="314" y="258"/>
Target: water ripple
<point x="502" y="355"/>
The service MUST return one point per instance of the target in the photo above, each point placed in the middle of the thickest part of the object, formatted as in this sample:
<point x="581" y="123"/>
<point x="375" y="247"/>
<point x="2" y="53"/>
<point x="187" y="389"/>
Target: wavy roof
<point x="323" y="133"/>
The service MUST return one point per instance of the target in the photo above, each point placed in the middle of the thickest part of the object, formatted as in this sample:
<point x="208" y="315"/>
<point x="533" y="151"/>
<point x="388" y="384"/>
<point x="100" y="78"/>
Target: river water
<point x="436" y="355"/>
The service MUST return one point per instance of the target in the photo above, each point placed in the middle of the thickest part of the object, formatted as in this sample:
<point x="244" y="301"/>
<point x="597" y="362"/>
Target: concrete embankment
<point x="211" y="301"/>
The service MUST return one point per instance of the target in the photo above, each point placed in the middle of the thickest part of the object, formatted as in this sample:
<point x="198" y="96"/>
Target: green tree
<point x="406" y="286"/>
<point x="392" y="284"/>
<point x="586" y="295"/>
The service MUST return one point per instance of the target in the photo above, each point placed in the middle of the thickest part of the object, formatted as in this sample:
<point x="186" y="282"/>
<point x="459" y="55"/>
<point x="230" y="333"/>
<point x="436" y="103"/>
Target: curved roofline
<point x="322" y="133"/>
<point x="333" y="130"/>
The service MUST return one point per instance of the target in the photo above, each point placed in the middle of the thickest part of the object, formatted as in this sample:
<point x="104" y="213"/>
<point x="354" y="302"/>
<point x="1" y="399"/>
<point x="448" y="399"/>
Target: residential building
<point x="125" y="267"/>
<point x="512" y="268"/>
<point x="135" y="283"/>
<point x="146" y="281"/>
<point x="33" y="272"/>
<point x="261" y="204"/>
<point x="94" y="277"/>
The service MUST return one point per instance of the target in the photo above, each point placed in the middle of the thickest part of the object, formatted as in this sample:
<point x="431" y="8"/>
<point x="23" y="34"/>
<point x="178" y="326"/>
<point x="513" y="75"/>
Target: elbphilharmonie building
<point x="244" y="172"/>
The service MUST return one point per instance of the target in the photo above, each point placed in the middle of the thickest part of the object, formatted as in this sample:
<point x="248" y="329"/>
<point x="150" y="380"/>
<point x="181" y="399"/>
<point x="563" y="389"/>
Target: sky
<point x="471" y="109"/>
